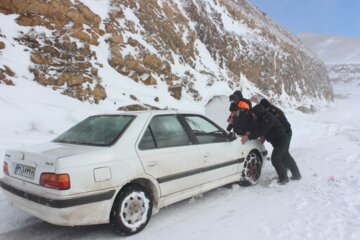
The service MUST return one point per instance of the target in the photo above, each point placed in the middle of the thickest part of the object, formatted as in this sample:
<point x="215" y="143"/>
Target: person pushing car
<point x="239" y="119"/>
<point x="277" y="112"/>
<point x="267" y="125"/>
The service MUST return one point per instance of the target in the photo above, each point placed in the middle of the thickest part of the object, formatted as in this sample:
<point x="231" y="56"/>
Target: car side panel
<point x="222" y="159"/>
<point x="175" y="168"/>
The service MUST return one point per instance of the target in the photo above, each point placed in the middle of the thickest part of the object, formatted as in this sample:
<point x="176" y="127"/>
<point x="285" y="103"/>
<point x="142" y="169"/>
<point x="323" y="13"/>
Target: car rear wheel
<point x="252" y="169"/>
<point x="132" y="210"/>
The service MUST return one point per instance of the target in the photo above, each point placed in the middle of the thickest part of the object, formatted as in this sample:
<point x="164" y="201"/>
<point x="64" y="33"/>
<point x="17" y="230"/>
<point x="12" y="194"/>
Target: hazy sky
<point x="327" y="17"/>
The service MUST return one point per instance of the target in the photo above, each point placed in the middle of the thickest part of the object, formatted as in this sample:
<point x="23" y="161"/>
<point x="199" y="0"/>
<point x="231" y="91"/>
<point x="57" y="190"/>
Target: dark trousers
<point x="289" y="133"/>
<point x="281" y="158"/>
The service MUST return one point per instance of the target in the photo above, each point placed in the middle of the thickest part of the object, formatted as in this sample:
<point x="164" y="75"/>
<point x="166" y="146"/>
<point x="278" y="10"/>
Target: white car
<point x="121" y="168"/>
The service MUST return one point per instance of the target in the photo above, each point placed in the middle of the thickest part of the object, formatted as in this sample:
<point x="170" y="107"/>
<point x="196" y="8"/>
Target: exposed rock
<point x="8" y="82"/>
<point x="116" y="61"/>
<point x="8" y="71"/>
<point x="132" y="42"/>
<point x="72" y="79"/>
<point x="305" y="109"/>
<point x="150" y="81"/>
<point x="175" y="91"/>
<point x="63" y="58"/>
<point x="116" y="39"/>
<point x="171" y="79"/>
<point x="164" y="38"/>
<point x="153" y="62"/>
<point x="38" y="59"/>
<point x="2" y="45"/>
<point x="5" y="74"/>
<point x="84" y="37"/>
<point x="44" y="80"/>
<point x="137" y="107"/>
<point x="51" y="50"/>
<point x="150" y="40"/>
<point x="99" y="93"/>
<point x="134" y="65"/>
<point x="134" y="98"/>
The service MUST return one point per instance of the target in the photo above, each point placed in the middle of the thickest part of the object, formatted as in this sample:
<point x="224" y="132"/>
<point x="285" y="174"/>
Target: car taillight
<point x="6" y="168"/>
<point x="56" y="181"/>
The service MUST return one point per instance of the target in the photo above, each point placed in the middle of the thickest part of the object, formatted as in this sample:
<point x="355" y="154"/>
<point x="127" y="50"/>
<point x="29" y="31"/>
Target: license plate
<point x="25" y="171"/>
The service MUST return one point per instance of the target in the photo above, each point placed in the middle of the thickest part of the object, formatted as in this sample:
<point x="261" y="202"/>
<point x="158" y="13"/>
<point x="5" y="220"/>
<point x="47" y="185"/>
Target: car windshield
<point x="96" y="130"/>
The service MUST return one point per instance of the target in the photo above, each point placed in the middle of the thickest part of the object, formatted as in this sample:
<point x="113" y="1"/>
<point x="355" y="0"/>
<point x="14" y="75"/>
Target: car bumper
<point x="63" y="210"/>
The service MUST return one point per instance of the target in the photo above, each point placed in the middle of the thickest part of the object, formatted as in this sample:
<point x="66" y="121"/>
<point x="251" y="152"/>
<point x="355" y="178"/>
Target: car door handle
<point x="205" y="154"/>
<point x="152" y="164"/>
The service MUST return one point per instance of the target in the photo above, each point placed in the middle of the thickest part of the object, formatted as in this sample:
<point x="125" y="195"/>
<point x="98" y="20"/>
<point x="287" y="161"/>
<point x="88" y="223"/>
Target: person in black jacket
<point x="240" y="115"/>
<point x="267" y="125"/>
<point x="277" y="112"/>
<point x="239" y="120"/>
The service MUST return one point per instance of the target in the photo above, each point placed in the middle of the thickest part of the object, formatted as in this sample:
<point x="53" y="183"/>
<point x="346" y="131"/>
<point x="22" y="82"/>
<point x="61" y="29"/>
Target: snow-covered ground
<point x="325" y="204"/>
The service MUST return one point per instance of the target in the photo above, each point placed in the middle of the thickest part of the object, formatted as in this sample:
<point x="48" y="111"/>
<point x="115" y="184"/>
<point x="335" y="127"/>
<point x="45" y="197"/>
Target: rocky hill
<point x="156" y="53"/>
<point x="340" y="54"/>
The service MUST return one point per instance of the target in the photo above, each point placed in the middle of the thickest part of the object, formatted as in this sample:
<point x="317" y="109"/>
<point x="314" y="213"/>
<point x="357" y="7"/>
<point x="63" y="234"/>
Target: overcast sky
<point x="327" y="17"/>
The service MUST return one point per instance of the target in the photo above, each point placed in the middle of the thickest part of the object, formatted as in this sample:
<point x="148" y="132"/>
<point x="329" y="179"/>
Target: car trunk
<point x="29" y="163"/>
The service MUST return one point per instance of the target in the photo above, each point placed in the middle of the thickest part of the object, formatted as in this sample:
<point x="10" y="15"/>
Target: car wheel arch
<point x="151" y="187"/>
<point x="148" y="185"/>
<point x="256" y="151"/>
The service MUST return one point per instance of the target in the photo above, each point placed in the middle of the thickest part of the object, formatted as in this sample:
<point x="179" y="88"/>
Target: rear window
<point x="96" y="130"/>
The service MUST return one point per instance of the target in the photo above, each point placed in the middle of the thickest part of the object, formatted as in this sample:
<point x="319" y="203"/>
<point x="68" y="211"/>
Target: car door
<point x="221" y="156"/>
<point x="168" y="154"/>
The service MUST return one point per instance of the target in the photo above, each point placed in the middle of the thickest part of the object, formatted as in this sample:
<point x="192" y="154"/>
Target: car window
<point x="205" y="131"/>
<point x="167" y="131"/>
<point x="101" y="130"/>
<point x="147" y="142"/>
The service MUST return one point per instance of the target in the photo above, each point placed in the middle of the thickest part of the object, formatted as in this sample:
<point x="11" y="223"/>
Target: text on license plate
<point x="25" y="171"/>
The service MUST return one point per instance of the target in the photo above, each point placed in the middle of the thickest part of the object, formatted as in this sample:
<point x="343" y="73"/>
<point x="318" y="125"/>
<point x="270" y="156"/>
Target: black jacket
<point x="242" y="123"/>
<point x="267" y="125"/>
<point x="277" y="112"/>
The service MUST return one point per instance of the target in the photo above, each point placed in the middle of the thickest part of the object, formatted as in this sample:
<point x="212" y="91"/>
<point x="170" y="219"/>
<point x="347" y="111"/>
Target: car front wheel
<point x="132" y="210"/>
<point x="251" y="171"/>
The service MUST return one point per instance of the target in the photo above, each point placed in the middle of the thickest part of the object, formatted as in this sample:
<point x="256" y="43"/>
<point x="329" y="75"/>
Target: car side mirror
<point x="232" y="136"/>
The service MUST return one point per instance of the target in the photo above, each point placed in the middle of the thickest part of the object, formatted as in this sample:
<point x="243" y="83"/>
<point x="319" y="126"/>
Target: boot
<point x="283" y="181"/>
<point x="295" y="178"/>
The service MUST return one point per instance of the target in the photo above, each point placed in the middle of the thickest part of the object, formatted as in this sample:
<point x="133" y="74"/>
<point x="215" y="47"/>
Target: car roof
<point x="152" y="112"/>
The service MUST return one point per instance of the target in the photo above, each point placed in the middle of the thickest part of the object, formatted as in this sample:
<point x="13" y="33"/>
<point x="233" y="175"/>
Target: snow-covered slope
<point x="166" y="54"/>
<point x="340" y="54"/>
<point x="325" y="204"/>
<point x="333" y="49"/>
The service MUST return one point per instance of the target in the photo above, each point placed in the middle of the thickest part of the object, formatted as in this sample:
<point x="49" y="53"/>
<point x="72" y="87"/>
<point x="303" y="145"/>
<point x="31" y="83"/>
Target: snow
<point x="333" y="49"/>
<point x="325" y="204"/>
<point x="99" y="7"/>
<point x="13" y="50"/>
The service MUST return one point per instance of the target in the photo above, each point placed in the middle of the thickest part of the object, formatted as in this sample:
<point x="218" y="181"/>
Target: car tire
<point x="252" y="170"/>
<point x="132" y="210"/>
